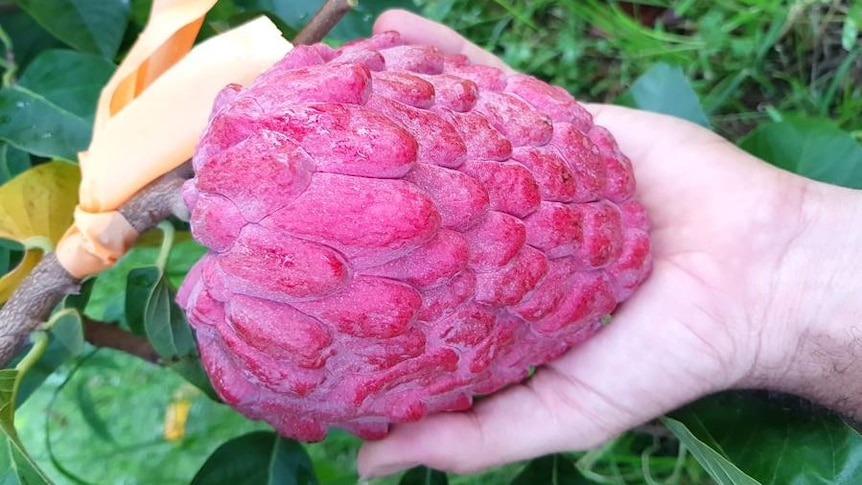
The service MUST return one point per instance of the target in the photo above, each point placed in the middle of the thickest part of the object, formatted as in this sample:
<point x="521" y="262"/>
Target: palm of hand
<point x="692" y="328"/>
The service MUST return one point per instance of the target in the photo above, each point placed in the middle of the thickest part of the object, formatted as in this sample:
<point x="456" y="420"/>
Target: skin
<point x="755" y="285"/>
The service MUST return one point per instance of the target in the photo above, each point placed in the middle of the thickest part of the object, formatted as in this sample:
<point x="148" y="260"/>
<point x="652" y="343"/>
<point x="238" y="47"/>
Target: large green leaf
<point x="665" y="89"/>
<point x="139" y="284"/>
<point x="165" y="326"/>
<point x="16" y="466"/>
<point x="134" y="399"/>
<point x="164" y="322"/>
<point x="421" y="475"/>
<point x="28" y="37"/>
<point x="257" y="458"/>
<point x="95" y="27"/>
<point x="13" y="162"/>
<point x="357" y="23"/>
<point x="817" y="149"/>
<point x="34" y="124"/>
<point x="750" y="438"/>
<point x="77" y="89"/>
<point x="551" y="470"/>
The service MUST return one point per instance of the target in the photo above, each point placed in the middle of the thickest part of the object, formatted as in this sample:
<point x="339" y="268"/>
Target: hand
<point x="727" y="231"/>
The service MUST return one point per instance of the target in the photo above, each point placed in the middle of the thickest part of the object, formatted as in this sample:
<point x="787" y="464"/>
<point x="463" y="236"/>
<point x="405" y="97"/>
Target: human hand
<point x="730" y="235"/>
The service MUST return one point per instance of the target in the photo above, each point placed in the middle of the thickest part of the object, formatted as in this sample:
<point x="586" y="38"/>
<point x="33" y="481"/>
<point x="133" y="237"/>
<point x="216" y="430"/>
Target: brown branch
<point x="111" y="336"/>
<point x="32" y="303"/>
<point x="323" y="21"/>
<point x="41" y="291"/>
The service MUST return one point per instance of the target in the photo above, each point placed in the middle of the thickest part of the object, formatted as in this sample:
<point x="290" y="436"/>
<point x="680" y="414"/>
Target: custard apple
<point x="392" y="231"/>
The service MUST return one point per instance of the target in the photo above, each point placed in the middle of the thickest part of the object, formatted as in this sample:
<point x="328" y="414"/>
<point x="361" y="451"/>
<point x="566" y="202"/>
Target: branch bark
<point x="323" y="21"/>
<point x="108" y="335"/>
<point x="33" y="301"/>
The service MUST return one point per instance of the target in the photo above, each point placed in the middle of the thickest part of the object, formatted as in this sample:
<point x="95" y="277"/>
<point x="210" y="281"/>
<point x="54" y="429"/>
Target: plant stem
<point x="323" y="21"/>
<point x="167" y="243"/>
<point x="40" y="343"/>
<point x="9" y="59"/>
<point x="107" y="335"/>
<point x="34" y="300"/>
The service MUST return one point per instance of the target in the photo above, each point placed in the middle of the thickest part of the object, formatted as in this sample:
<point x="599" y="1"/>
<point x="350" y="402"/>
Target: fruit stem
<point x="323" y="21"/>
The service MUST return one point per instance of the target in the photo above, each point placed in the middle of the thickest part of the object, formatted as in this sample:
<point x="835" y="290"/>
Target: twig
<point x="108" y="335"/>
<point x="323" y="21"/>
<point x="34" y="300"/>
<point x="32" y="303"/>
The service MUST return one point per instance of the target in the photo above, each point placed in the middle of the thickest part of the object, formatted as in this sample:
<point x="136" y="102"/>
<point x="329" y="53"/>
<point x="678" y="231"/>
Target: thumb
<point x="416" y="29"/>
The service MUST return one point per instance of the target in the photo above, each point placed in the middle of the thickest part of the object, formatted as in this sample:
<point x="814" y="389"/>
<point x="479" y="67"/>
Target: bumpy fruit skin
<point x="393" y="231"/>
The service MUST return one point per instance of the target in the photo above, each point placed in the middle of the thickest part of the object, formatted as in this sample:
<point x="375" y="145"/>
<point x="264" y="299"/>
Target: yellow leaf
<point x="176" y="417"/>
<point x="12" y="279"/>
<point x="39" y="203"/>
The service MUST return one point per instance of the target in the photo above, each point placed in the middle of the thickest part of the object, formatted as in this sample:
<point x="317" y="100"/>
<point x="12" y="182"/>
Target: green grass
<point x="748" y="60"/>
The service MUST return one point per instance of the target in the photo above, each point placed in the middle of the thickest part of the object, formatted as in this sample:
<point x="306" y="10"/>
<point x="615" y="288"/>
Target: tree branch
<point x="323" y="21"/>
<point x="108" y="335"/>
<point x="32" y="303"/>
<point x="41" y="291"/>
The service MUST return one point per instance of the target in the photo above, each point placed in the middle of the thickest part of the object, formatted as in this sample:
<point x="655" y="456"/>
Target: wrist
<point x="812" y="331"/>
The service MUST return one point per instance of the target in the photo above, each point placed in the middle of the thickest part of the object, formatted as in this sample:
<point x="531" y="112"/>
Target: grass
<point x="749" y="60"/>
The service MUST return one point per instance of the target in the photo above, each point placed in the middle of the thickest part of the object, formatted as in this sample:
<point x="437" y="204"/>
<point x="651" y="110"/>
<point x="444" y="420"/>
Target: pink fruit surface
<point x="392" y="231"/>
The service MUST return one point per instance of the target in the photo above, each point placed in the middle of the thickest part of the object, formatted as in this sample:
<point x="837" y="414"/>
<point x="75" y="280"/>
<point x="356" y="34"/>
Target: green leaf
<point x="28" y="37"/>
<point x="90" y="412"/>
<point x="750" y="438"/>
<point x="814" y="148"/>
<point x="665" y="89"/>
<point x="850" y="30"/>
<point x="65" y="340"/>
<point x="551" y="470"/>
<point x="421" y="475"/>
<point x="95" y="27"/>
<point x="134" y="397"/>
<point x="357" y="22"/>
<point x="5" y="260"/>
<point x="71" y="80"/>
<point x="716" y="464"/>
<point x="12" y="162"/>
<point x="16" y="466"/>
<point x="139" y="284"/>
<point x="192" y="370"/>
<point x="257" y="458"/>
<point x="165" y="324"/>
<point x="34" y="124"/>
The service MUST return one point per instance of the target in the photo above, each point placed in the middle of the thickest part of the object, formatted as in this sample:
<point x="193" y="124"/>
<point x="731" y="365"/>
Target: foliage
<point x="776" y="76"/>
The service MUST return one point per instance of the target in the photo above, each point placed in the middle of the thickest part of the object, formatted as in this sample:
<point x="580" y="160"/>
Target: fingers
<point x="634" y="370"/>
<point x="416" y="29"/>
<point x="490" y="434"/>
